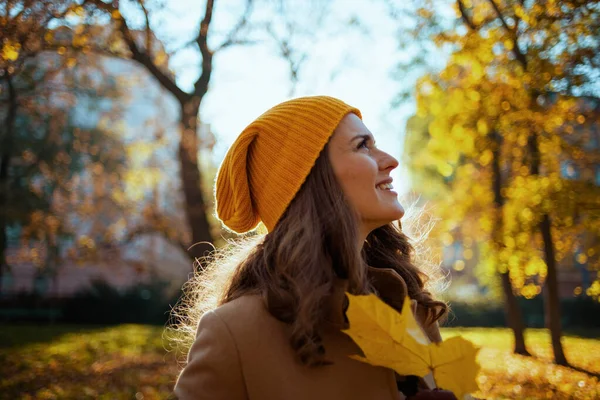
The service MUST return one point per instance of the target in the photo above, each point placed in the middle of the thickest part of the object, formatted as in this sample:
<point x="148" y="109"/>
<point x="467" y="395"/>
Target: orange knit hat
<point x="270" y="160"/>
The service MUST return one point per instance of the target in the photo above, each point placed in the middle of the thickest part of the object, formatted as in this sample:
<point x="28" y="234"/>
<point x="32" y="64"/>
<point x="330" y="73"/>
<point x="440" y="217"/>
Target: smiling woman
<point x="309" y="170"/>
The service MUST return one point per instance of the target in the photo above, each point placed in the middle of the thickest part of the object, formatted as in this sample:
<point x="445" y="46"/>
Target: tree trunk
<point x="4" y="165"/>
<point x="513" y="314"/>
<point x="54" y="253"/>
<point x="512" y="310"/>
<point x="53" y="267"/>
<point x="195" y="205"/>
<point x="5" y="157"/>
<point x="551" y="299"/>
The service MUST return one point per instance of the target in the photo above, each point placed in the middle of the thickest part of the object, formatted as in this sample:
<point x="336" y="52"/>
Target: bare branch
<point x="201" y="84"/>
<point x="517" y="22"/>
<point x="287" y="52"/>
<point x="232" y="38"/>
<point x="236" y="42"/>
<point x="148" y="31"/>
<point x="139" y="55"/>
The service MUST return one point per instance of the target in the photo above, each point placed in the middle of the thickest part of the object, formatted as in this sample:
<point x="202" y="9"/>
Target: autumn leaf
<point x="395" y="340"/>
<point x="386" y="337"/>
<point x="454" y="367"/>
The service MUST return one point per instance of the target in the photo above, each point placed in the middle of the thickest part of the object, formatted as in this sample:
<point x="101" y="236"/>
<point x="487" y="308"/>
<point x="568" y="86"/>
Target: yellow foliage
<point x="468" y="254"/>
<point x="10" y="51"/>
<point x="395" y="340"/>
<point x="490" y="100"/>
<point x="485" y="158"/>
<point x="71" y="62"/>
<point x="536" y="266"/>
<point x="530" y="291"/>
<point x="139" y="180"/>
<point x="459" y="265"/>
<point x="594" y="290"/>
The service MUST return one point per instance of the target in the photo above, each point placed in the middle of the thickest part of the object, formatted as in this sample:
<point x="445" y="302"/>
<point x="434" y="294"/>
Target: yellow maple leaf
<point x="395" y="340"/>
<point x="454" y="365"/>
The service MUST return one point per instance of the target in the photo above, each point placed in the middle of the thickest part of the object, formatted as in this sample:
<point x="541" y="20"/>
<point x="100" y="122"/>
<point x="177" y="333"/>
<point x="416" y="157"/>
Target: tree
<point x="467" y="199"/>
<point x="509" y="98"/>
<point x="23" y="26"/>
<point x="190" y="102"/>
<point x="44" y="149"/>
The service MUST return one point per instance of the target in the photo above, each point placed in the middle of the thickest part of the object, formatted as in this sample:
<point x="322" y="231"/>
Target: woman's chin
<point x="398" y="213"/>
<point x="387" y="216"/>
<point x="383" y="222"/>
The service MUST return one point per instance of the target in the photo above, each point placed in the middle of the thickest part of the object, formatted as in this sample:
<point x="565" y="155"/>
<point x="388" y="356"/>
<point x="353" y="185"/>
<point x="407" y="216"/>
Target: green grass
<point x="508" y="376"/>
<point x="130" y="362"/>
<point x="66" y="362"/>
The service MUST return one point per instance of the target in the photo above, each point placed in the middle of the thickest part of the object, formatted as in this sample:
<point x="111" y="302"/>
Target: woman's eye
<point x="363" y="144"/>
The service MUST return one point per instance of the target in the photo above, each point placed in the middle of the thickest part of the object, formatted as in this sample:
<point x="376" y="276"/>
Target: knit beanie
<point x="270" y="160"/>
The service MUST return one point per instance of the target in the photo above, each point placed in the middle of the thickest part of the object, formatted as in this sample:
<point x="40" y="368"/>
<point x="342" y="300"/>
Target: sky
<point x="353" y="64"/>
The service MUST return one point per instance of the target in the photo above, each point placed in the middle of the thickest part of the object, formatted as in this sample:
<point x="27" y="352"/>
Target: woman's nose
<point x="387" y="161"/>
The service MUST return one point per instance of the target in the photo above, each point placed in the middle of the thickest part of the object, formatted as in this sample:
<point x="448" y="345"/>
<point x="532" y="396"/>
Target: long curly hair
<point x="294" y="267"/>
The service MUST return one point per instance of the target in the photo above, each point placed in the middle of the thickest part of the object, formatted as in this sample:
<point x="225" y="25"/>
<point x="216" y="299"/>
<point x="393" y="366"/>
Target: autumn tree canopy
<point x="56" y="164"/>
<point x="510" y="125"/>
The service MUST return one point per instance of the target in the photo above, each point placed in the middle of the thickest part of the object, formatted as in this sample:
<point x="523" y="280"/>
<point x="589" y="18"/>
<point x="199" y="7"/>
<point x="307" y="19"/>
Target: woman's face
<point x="363" y="172"/>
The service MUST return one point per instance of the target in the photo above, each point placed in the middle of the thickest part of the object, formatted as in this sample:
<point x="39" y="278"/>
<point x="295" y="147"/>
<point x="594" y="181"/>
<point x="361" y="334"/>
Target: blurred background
<point x="115" y="115"/>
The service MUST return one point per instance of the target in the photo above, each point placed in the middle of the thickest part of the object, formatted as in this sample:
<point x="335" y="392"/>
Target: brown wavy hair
<point x="294" y="266"/>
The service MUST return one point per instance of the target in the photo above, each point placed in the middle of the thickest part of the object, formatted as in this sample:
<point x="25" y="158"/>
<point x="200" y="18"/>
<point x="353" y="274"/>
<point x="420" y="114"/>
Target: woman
<point x="309" y="170"/>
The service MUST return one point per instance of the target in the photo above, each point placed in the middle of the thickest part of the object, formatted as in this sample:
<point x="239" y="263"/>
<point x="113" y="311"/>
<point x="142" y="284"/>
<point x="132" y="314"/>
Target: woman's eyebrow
<point x="363" y="136"/>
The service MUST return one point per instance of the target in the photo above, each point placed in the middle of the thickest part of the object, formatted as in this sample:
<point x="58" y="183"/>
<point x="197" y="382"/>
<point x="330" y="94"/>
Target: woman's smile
<point x="386" y="186"/>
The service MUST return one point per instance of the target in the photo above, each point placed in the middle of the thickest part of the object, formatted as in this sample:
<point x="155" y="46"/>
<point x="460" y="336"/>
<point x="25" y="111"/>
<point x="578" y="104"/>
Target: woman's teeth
<point x="385" y="186"/>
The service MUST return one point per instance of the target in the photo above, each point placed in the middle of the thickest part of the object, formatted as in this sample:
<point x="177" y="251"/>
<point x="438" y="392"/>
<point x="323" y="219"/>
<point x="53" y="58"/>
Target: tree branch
<point x="513" y="34"/>
<point x="201" y="84"/>
<point x="232" y="38"/>
<point x="148" y="31"/>
<point x="501" y="17"/>
<point x="140" y="55"/>
<point x="464" y="16"/>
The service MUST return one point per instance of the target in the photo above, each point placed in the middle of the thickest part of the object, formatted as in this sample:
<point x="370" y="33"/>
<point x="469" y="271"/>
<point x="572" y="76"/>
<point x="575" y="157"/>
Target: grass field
<point x="130" y="362"/>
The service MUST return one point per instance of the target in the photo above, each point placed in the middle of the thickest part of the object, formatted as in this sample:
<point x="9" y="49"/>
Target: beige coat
<point x="242" y="352"/>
